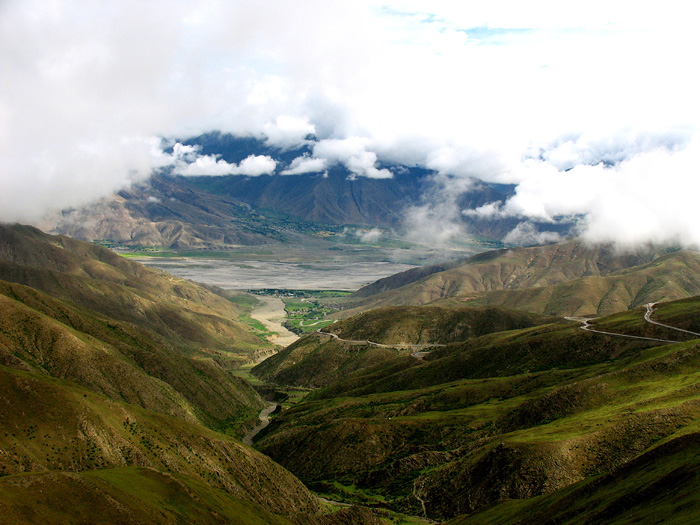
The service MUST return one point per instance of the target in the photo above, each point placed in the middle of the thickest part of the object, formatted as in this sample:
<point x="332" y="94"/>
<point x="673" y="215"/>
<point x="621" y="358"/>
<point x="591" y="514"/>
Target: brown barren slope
<point x="569" y="278"/>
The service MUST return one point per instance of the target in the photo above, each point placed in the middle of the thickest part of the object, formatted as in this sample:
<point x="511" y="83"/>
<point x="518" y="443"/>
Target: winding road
<point x="418" y="354"/>
<point x="647" y="318"/>
<point x="585" y="325"/>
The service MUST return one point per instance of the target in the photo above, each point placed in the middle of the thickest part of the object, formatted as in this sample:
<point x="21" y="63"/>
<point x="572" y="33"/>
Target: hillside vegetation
<point x="97" y="279"/>
<point x="137" y="335"/>
<point x="549" y="418"/>
<point x="55" y="425"/>
<point x="319" y="360"/>
<point x="117" y="403"/>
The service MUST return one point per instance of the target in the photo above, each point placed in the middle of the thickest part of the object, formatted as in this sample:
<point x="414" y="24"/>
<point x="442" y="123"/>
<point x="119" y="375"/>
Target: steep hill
<point x="666" y="278"/>
<point x="171" y="213"/>
<point x="659" y="486"/>
<point x="52" y="426"/>
<point x="77" y="311"/>
<point x="119" y="360"/>
<point x="99" y="280"/>
<point x="511" y="416"/>
<point x="569" y="278"/>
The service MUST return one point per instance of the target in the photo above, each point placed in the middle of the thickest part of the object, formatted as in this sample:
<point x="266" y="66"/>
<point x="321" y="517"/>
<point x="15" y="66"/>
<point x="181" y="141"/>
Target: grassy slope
<point x="659" y="486"/>
<point x="317" y="360"/>
<point x="312" y="362"/>
<point x="562" y="279"/>
<point x="56" y="425"/>
<point x="123" y="330"/>
<point x="512" y="415"/>
<point x="669" y="277"/>
<point x="417" y="325"/>
<point x="97" y="279"/>
<point x="123" y="495"/>
<point x="116" y="359"/>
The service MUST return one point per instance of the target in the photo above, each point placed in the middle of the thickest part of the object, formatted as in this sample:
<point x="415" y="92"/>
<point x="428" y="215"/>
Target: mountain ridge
<point x="222" y="211"/>
<point x="509" y="418"/>
<point x="569" y="278"/>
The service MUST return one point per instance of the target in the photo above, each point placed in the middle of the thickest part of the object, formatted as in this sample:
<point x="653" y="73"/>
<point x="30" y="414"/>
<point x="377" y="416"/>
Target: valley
<point x="443" y="409"/>
<point x="349" y="263"/>
<point x="271" y="313"/>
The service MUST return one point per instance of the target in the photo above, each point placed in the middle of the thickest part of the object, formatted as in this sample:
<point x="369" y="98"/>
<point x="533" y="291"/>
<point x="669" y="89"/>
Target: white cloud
<point x="650" y="197"/>
<point x="288" y="131"/>
<point x="306" y="164"/>
<point x="369" y="236"/>
<point x="252" y="166"/>
<point x="433" y="224"/>
<point x="525" y="234"/>
<point x="352" y="153"/>
<point x="255" y="165"/>
<point x="508" y="91"/>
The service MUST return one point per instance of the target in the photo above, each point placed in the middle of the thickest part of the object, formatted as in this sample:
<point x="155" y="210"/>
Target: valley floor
<point x="270" y="312"/>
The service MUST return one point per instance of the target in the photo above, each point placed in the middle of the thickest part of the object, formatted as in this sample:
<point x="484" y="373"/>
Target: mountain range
<point x="205" y="212"/>
<point x="456" y="391"/>
<point x="569" y="278"/>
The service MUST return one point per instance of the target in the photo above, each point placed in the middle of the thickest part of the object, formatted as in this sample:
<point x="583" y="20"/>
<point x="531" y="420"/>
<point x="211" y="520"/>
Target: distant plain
<point x="256" y="275"/>
<point x="317" y="266"/>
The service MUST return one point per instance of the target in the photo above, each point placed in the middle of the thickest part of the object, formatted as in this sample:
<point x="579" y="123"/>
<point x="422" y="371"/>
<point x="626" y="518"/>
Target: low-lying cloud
<point x="252" y="166"/>
<point x="306" y="164"/>
<point x="526" y="234"/>
<point x="353" y="154"/>
<point x="591" y="112"/>
<point x="649" y="197"/>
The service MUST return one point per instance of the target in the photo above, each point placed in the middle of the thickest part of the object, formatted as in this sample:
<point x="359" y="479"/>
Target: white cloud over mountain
<point x="306" y="164"/>
<point x="590" y="107"/>
<point x="252" y="166"/>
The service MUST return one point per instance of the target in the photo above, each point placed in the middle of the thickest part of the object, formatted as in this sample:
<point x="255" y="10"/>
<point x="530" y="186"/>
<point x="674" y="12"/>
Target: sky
<point x="590" y="108"/>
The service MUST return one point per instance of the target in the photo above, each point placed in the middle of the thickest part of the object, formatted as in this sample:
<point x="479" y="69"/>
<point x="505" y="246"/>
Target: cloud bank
<point x="589" y="107"/>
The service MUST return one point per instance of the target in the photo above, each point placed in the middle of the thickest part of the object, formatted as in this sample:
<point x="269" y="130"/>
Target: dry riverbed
<point x="270" y="312"/>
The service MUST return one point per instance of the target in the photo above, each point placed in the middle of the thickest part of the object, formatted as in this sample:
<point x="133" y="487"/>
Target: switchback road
<point x="585" y="325"/>
<point x="647" y="318"/>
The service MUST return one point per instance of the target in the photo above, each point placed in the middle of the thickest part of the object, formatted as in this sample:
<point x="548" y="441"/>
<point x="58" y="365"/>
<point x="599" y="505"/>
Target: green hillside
<point x="318" y="360"/>
<point x="99" y="280"/>
<point x="117" y="402"/>
<point x="116" y="359"/>
<point x="659" y="486"/>
<point x="133" y="334"/>
<point x="123" y="495"/>
<point x="550" y="412"/>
